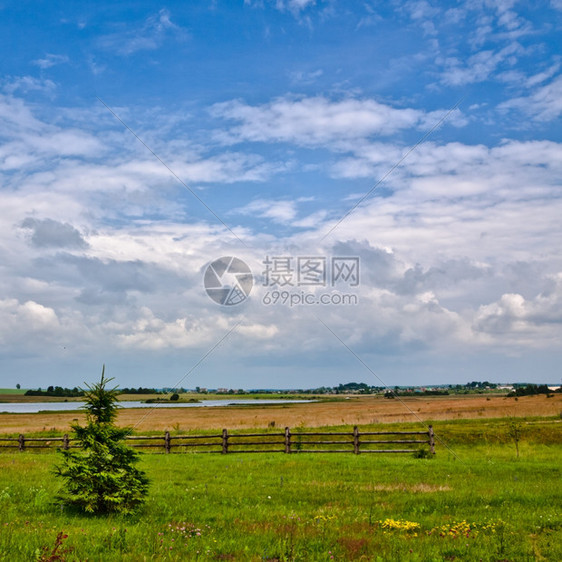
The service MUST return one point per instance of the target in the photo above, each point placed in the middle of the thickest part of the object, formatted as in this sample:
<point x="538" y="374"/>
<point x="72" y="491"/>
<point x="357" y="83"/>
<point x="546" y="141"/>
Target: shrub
<point x="423" y="453"/>
<point x="101" y="478"/>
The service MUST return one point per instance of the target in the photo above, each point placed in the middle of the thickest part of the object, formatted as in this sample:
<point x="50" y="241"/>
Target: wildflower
<point x="398" y="525"/>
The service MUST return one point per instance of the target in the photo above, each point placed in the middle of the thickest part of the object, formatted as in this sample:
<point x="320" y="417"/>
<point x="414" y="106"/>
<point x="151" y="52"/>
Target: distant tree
<point x="18" y="386"/>
<point x="175" y="396"/>
<point x="102" y="477"/>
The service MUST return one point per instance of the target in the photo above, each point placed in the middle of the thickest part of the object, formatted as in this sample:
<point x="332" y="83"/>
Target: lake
<point x="35" y="407"/>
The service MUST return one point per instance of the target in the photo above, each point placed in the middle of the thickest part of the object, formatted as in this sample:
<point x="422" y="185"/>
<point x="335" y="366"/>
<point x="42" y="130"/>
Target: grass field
<point x="475" y="500"/>
<point x="12" y="392"/>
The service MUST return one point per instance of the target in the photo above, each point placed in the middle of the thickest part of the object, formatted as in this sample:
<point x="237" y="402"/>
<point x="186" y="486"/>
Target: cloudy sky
<point x="140" y="142"/>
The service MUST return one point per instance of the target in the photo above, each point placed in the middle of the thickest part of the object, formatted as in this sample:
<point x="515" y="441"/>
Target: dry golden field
<point x="355" y="410"/>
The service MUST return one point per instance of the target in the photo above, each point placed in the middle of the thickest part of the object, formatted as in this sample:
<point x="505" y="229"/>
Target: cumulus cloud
<point x="20" y="320"/>
<point x="459" y="226"/>
<point x="532" y="322"/>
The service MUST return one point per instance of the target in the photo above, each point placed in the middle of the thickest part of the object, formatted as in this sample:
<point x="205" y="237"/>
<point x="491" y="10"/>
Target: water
<point x="35" y="407"/>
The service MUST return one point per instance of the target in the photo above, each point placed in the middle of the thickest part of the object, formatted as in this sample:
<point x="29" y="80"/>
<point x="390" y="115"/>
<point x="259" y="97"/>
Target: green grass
<point x="13" y="391"/>
<point x="311" y="507"/>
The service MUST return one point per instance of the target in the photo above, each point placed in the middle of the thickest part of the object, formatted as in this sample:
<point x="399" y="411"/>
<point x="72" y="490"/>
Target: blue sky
<point x="138" y="143"/>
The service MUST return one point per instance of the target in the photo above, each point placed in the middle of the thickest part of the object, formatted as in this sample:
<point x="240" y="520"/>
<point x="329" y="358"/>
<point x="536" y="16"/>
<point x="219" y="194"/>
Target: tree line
<point x="59" y="391"/>
<point x="530" y="389"/>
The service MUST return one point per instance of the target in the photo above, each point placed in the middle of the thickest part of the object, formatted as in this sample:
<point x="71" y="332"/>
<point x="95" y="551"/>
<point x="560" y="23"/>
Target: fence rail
<point x="233" y="442"/>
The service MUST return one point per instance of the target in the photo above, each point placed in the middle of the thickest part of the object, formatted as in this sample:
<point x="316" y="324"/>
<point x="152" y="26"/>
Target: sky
<point x="388" y="172"/>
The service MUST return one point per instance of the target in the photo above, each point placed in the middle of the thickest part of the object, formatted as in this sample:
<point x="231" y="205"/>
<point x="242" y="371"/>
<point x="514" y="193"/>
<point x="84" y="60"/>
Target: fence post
<point x="224" y="441"/>
<point x="167" y="443"/>
<point x="21" y="442"/>
<point x="65" y="443"/>
<point x="287" y="441"/>
<point x="356" y="440"/>
<point x="431" y="440"/>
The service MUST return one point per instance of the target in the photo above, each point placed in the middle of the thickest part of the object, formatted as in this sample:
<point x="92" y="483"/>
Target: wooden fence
<point x="272" y="442"/>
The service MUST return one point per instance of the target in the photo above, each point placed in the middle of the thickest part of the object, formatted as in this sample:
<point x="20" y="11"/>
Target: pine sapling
<point x="102" y="476"/>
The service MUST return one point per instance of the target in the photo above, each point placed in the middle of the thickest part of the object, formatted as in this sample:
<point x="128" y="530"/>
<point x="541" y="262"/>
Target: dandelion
<point x="398" y="525"/>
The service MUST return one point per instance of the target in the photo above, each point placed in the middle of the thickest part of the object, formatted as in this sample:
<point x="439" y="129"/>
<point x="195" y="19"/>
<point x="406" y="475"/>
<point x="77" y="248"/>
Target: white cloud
<point x="279" y="211"/>
<point x="148" y="37"/>
<point x="478" y="67"/>
<point x="28" y="139"/>
<point x="540" y="77"/>
<point x="227" y="168"/>
<point x="26" y="84"/>
<point x="294" y="6"/>
<point x="515" y="320"/>
<point x="19" y="320"/>
<point x="50" y="60"/>
<point x="422" y="13"/>
<point x="258" y="331"/>
<point x="460" y="227"/>
<point x="544" y="104"/>
<point x="302" y="77"/>
<point x="456" y="200"/>
<point x="282" y="211"/>
<point x="153" y="333"/>
<point x="315" y="121"/>
<point x="314" y="220"/>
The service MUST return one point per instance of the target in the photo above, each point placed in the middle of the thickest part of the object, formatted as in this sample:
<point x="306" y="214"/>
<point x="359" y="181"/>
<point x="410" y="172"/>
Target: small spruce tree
<point x="101" y="478"/>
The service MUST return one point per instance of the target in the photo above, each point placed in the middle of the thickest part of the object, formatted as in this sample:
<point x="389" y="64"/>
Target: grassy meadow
<point x="475" y="500"/>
